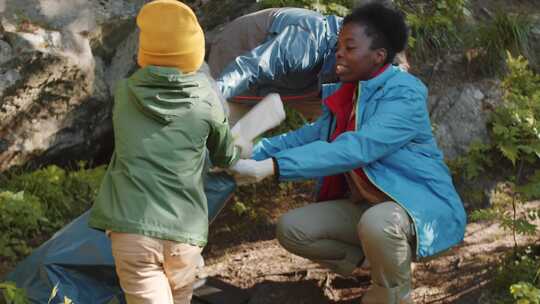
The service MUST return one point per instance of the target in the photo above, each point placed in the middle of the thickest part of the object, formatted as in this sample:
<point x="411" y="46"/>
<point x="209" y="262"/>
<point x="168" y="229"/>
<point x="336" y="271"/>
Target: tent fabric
<point x="78" y="259"/>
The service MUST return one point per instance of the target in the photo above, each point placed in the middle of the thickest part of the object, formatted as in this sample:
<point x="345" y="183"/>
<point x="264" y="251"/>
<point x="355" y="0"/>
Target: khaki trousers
<point x="340" y="234"/>
<point x="154" y="271"/>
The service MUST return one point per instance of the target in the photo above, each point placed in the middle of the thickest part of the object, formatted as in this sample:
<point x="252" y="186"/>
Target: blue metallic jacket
<point x="394" y="145"/>
<point x="300" y="45"/>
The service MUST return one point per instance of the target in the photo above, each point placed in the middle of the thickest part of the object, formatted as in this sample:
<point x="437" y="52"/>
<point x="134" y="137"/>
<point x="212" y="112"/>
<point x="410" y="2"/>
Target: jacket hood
<point x="166" y="94"/>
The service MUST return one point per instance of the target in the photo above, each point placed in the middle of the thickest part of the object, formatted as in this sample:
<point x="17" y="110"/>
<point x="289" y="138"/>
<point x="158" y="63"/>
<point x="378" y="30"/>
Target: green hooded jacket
<point x="163" y="122"/>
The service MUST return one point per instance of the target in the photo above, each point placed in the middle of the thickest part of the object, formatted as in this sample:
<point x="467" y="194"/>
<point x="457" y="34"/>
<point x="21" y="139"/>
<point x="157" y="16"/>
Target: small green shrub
<point x="525" y="293"/>
<point x="515" y="136"/>
<point x="20" y="218"/>
<point x="516" y="278"/>
<point x="474" y="163"/>
<point x="435" y="25"/>
<point x="531" y="190"/>
<point x="46" y="184"/>
<point x="515" y="140"/>
<point x="13" y="295"/>
<point x="493" y="37"/>
<point x="503" y="210"/>
<point x="516" y="124"/>
<point x="64" y="195"/>
<point x="35" y="204"/>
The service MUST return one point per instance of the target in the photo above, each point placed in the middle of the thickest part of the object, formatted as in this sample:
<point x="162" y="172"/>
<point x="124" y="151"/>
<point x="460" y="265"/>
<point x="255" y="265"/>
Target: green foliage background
<point x="33" y="205"/>
<point x="514" y="143"/>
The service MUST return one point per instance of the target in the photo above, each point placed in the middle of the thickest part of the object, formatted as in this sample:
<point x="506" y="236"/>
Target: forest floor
<point x="248" y="256"/>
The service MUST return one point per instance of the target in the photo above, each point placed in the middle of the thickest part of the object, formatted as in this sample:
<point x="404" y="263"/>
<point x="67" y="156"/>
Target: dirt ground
<point x="249" y="257"/>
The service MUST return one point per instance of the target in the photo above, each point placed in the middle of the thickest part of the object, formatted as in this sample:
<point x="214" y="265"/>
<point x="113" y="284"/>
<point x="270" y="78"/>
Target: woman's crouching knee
<point x="386" y="221"/>
<point x="286" y="233"/>
<point x="371" y="227"/>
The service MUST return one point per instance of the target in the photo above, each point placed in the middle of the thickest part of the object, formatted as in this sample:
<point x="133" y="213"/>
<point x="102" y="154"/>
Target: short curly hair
<point x="384" y="24"/>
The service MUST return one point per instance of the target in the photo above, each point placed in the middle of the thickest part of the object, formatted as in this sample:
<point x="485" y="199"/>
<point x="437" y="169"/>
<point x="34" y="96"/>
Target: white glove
<point x="247" y="171"/>
<point x="265" y="115"/>
<point x="246" y="147"/>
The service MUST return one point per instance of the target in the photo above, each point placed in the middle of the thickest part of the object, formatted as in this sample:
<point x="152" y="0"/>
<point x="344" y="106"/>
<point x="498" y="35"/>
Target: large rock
<point x="55" y="101"/>
<point x="59" y="61"/>
<point x="459" y="115"/>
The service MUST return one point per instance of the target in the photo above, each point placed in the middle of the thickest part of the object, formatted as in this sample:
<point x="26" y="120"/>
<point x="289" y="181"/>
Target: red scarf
<point x="341" y="105"/>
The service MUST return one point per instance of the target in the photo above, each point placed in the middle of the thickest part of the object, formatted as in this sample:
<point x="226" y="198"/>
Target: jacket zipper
<point x="357" y="101"/>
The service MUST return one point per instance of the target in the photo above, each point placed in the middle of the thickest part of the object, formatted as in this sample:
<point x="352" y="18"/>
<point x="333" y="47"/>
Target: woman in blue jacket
<point x="386" y="195"/>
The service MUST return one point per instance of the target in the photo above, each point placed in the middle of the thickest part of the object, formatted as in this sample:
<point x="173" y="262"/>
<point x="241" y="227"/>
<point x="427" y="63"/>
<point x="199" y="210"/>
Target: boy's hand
<point x="247" y="171"/>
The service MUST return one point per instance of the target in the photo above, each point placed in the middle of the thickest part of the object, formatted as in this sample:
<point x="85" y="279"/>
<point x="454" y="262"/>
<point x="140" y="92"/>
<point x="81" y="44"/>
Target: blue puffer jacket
<point x="300" y="45"/>
<point x="395" y="147"/>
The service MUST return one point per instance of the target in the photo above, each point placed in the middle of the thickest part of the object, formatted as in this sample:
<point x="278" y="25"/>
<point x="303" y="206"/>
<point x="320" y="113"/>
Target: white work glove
<point x="245" y="145"/>
<point x="247" y="171"/>
<point x="265" y="115"/>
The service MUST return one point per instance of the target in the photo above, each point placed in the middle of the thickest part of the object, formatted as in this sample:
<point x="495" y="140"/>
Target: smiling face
<point x="355" y="60"/>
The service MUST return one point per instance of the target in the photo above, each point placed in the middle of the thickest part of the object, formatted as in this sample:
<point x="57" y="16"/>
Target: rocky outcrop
<point x="459" y="115"/>
<point x="55" y="97"/>
<point x="59" y="61"/>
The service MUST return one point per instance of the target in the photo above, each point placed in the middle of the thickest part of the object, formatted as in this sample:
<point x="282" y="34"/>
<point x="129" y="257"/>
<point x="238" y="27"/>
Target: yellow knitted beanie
<point x="170" y="35"/>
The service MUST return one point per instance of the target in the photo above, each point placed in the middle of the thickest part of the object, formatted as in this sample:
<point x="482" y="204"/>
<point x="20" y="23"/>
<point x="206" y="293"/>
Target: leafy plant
<point x="525" y="293"/>
<point x="492" y="38"/>
<point x="35" y="204"/>
<point x="515" y="135"/>
<point x="509" y="219"/>
<point x="531" y="190"/>
<point x="20" y="218"/>
<point x="12" y="294"/>
<point x="434" y="25"/>
<point x="515" y="143"/>
<point x="517" y="277"/>
<point x="516" y="124"/>
<point x="64" y="195"/>
<point x="475" y="162"/>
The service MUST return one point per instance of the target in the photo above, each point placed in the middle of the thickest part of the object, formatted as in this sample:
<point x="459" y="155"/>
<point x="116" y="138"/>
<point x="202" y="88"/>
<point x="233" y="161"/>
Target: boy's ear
<point x="380" y="56"/>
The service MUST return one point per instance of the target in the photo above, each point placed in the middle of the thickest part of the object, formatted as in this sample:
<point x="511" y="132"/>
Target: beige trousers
<point x="154" y="271"/>
<point x="339" y="234"/>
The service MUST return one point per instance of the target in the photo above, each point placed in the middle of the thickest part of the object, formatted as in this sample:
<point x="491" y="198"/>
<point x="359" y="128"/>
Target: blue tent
<point x="78" y="259"/>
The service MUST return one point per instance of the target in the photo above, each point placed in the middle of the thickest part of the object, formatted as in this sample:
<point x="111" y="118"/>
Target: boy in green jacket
<point x="151" y="200"/>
